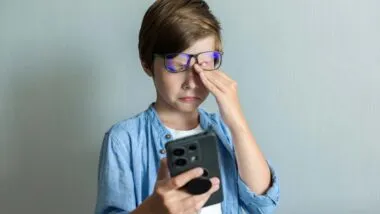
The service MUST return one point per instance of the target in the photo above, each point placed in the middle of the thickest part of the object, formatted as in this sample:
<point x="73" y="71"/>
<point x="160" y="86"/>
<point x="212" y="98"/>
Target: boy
<point x="180" y="49"/>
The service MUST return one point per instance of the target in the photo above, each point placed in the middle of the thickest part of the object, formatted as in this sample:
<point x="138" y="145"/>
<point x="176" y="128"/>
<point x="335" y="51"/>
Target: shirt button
<point x="168" y="136"/>
<point x="162" y="151"/>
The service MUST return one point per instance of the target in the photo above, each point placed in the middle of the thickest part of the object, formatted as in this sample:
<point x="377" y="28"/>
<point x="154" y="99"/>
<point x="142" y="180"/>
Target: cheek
<point x="167" y="83"/>
<point x="160" y="77"/>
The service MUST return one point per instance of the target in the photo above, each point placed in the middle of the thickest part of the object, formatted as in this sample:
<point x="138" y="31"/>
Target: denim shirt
<point x="130" y="158"/>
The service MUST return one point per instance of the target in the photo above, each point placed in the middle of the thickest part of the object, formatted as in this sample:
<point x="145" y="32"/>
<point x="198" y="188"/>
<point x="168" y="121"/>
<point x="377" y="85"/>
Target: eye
<point x="182" y="67"/>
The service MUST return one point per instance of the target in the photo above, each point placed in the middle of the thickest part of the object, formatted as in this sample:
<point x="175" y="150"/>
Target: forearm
<point x="252" y="165"/>
<point x="140" y="210"/>
<point x="143" y="208"/>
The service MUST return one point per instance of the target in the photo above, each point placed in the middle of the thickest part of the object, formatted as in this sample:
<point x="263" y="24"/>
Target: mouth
<point x="189" y="99"/>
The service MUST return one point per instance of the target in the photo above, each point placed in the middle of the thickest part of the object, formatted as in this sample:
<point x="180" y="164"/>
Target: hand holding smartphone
<point x="200" y="150"/>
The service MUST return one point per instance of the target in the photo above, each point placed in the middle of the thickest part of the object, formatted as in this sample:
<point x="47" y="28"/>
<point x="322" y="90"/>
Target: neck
<point x="175" y="119"/>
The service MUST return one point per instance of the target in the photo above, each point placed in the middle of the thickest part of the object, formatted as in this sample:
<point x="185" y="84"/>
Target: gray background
<point x="308" y="74"/>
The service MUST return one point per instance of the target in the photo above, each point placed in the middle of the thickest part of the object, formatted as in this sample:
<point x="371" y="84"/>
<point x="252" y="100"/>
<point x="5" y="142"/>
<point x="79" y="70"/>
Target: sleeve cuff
<point x="269" y="198"/>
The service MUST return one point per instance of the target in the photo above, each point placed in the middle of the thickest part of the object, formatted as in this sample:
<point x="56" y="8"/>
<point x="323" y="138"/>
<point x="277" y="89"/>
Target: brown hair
<point x="171" y="26"/>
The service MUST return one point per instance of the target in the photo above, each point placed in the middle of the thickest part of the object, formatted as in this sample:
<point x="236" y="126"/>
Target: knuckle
<point x="172" y="210"/>
<point x="175" y="182"/>
<point x="160" y="192"/>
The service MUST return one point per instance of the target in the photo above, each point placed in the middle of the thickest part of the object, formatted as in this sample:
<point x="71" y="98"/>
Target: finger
<point x="192" y="204"/>
<point x="229" y="83"/>
<point x="209" y="85"/>
<point x="213" y="78"/>
<point x="216" y="74"/>
<point x="182" y="179"/>
<point x="196" y="202"/>
<point x="215" y="186"/>
<point x="215" y="181"/>
<point x="218" y="85"/>
<point x="163" y="172"/>
<point x="179" y="194"/>
<point x="224" y="76"/>
<point x="220" y="76"/>
<point x="198" y="68"/>
<point x="202" y="201"/>
<point x="219" y="80"/>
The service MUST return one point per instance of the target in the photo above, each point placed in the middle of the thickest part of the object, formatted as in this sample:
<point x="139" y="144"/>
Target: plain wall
<point x="309" y="83"/>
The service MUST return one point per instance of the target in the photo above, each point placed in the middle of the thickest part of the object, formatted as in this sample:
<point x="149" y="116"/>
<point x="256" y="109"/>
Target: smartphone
<point x="200" y="150"/>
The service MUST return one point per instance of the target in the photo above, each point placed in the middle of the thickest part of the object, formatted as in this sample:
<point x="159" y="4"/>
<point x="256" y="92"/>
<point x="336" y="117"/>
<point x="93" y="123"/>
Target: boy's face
<point x="182" y="91"/>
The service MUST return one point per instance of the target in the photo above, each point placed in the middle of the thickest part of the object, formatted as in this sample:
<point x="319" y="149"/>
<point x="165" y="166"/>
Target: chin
<point x="187" y="107"/>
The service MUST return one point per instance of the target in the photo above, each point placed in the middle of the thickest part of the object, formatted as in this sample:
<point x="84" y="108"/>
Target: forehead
<point x="202" y="45"/>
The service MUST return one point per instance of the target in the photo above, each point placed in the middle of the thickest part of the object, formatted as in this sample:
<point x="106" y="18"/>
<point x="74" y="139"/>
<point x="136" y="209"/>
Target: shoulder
<point x="214" y="117"/>
<point x="123" y="131"/>
<point x="217" y="121"/>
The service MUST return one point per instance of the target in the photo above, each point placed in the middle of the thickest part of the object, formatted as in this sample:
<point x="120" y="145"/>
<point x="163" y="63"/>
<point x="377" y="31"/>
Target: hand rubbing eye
<point x="204" y="64"/>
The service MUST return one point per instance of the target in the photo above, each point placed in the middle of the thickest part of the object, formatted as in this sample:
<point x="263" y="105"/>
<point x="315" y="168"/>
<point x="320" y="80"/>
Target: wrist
<point x="238" y="126"/>
<point x="143" y="208"/>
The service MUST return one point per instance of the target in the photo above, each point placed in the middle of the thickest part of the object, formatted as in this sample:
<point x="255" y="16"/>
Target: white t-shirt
<point x="212" y="209"/>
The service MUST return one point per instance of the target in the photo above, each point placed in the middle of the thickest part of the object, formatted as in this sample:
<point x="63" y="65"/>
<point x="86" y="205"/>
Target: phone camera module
<point x="180" y="162"/>
<point x="179" y="152"/>
<point x="193" y="147"/>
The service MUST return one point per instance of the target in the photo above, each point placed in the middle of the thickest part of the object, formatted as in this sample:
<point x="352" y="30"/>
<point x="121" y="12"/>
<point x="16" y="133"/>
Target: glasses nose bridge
<point x="195" y="56"/>
<point x="191" y="72"/>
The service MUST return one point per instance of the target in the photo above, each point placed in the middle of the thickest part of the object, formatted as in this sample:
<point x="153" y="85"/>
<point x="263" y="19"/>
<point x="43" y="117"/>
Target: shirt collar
<point x="161" y="129"/>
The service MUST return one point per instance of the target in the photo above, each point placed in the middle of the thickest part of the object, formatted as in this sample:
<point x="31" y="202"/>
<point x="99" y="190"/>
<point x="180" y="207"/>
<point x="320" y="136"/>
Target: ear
<point x="147" y="69"/>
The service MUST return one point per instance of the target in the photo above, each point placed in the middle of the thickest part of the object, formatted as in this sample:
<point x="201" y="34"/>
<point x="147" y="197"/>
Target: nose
<point x="192" y="79"/>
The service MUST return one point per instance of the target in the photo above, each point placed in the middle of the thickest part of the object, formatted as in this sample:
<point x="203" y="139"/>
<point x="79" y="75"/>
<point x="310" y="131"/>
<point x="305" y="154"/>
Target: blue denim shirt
<point x="130" y="158"/>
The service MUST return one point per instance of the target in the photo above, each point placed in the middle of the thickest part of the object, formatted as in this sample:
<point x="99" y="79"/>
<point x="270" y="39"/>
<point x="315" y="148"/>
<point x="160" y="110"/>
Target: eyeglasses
<point x="178" y="62"/>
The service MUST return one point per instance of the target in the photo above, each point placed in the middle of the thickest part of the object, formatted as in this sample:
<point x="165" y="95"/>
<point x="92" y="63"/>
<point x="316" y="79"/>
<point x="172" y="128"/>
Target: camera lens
<point x="179" y="152"/>
<point x="193" y="147"/>
<point x="180" y="162"/>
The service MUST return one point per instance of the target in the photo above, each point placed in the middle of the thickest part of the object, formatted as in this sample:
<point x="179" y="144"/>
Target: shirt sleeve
<point x="260" y="204"/>
<point x="250" y="201"/>
<point x="116" y="193"/>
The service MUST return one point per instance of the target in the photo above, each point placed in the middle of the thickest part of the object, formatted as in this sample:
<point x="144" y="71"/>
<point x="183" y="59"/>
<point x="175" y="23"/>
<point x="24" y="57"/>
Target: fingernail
<point x="215" y="180"/>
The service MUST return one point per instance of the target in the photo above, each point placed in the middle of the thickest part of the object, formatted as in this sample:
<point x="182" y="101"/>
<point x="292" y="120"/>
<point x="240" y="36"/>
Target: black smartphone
<point x="200" y="150"/>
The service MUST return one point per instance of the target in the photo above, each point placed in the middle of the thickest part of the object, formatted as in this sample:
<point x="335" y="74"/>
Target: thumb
<point x="163" y="172"/>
